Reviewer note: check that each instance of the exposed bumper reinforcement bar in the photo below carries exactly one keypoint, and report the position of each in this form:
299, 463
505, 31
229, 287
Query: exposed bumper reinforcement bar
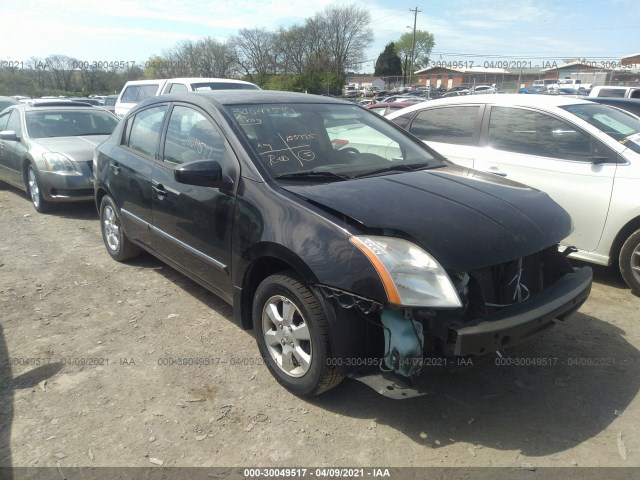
520, 322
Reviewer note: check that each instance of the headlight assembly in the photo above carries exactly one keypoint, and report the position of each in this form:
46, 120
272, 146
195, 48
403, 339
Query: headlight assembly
411, 277
58, 162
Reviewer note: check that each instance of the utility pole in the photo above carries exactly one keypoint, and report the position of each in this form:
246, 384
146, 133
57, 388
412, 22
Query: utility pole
413, 46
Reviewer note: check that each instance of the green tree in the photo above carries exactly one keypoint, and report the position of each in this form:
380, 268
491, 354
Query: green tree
424, 45
389, 63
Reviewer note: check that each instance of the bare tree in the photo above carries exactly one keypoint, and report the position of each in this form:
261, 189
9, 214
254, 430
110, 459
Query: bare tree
40, 71
255, 49
215, 59
206, 57
62, 68
346, 34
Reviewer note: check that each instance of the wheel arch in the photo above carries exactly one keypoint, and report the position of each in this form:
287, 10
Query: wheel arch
100, 192
346, 333
624, 233
24, 165
266, 259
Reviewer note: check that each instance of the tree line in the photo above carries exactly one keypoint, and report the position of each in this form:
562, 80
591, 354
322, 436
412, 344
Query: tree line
313, 56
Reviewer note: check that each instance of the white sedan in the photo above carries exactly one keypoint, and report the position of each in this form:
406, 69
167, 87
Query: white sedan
586, 156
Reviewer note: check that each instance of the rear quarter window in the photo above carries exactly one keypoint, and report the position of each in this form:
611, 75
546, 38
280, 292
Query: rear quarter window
611, 92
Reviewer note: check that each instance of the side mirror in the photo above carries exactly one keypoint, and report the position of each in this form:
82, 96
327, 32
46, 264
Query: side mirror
9, 135
202, 173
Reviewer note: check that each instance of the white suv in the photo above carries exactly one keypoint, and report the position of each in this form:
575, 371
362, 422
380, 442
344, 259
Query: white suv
137, 90
585, 155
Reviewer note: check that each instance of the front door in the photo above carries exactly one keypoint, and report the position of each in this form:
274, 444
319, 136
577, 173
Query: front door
193, 224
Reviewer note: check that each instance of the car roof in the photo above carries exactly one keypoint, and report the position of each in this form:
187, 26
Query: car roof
58, 106
511, 99
628, 104
223, 98
388, 104
205, 80
146, 82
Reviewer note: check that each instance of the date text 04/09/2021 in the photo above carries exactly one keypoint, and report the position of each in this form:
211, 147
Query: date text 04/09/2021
325, 472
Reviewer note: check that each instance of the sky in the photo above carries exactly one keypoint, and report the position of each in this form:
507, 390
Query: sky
479, 31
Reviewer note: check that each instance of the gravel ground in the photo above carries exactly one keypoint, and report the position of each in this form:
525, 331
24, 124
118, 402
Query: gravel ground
86, 346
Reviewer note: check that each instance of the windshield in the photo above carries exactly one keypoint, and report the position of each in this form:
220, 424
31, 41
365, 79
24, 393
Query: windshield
330, 141
69, 123
622, 126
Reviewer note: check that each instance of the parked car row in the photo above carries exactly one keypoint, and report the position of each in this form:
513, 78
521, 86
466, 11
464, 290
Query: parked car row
347, 243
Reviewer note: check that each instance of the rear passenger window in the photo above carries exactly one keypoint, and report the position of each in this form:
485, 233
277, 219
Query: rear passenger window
534, 133
177, 87
145, 130
137, 93
191, 136
447, 125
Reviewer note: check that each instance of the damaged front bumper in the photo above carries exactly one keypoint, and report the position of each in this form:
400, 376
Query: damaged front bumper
520, 322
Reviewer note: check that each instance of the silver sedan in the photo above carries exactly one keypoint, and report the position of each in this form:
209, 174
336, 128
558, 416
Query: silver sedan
47, 149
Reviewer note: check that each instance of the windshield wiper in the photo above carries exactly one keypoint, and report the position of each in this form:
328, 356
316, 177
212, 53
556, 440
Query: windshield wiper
403, 167
313, 174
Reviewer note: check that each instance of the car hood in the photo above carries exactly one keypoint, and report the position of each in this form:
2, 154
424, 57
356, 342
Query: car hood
77, 148
466, 219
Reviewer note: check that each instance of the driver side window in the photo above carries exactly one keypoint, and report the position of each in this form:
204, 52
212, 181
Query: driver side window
4, 119
191, 136
14, 123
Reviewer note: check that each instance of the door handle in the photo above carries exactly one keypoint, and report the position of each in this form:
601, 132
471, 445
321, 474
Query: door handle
160, 191
497, 171
116, 168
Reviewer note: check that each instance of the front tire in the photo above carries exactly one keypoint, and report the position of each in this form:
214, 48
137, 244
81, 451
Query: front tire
35, 192
292, 333
118, 245
629, 262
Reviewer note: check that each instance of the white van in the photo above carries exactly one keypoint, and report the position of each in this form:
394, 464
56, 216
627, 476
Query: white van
545, 82
571, 83
174, 85
137, 90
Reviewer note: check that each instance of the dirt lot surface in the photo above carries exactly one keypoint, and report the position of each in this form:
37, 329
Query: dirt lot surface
86, 346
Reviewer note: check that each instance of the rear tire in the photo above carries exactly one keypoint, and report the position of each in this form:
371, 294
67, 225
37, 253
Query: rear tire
292, 333
629, 262
118, 245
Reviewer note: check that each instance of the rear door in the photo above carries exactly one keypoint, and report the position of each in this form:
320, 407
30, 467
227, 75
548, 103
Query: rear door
129, 171
193, 224
555, 156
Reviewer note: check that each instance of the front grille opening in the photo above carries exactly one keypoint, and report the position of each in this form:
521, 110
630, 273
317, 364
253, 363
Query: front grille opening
494, 288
